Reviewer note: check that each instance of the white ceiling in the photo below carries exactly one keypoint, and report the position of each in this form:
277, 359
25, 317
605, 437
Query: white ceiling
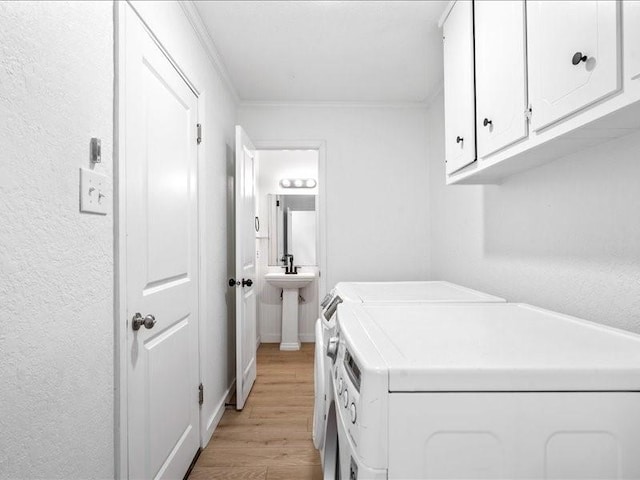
328, 51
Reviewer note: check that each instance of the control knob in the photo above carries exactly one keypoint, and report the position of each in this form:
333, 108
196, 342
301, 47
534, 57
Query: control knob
332, 348
340, 386
352, 411
345, 398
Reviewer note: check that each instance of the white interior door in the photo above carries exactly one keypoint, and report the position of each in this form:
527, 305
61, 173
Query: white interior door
160, 162
246, 329
459, 88
501, 85
573, 56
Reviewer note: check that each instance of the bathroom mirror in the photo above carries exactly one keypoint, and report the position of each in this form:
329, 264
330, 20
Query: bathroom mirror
292, 229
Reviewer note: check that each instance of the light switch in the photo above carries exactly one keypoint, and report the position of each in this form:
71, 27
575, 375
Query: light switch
93, 193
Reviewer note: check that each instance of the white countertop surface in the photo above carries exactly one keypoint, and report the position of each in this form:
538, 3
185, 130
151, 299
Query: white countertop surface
491, 347
418, 291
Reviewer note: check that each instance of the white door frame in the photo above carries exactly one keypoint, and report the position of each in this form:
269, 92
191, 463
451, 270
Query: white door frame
321, 147
121, 347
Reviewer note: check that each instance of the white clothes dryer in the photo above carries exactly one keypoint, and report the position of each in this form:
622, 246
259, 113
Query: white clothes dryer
372, 292
482, 391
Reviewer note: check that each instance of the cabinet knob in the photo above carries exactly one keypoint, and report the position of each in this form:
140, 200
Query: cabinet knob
578, 57
459, 139
487, 122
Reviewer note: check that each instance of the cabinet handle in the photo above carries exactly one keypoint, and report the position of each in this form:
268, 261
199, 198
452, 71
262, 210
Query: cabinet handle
578, 57
459, 139
487, 122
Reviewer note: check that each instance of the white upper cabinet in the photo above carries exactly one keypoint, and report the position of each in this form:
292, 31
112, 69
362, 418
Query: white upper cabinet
575, 63
459, 94
574, 56
501, 86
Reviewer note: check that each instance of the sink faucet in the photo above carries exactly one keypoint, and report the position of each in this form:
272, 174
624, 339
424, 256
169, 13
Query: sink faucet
289, 268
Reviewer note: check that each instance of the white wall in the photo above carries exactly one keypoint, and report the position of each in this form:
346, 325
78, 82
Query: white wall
56, 264
274, 165
216, 160
565, 236
376, 183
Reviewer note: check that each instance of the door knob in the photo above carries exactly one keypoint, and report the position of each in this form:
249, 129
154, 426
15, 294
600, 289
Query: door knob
459, 139
247, 283
578, 57
233, 283
487, 122
138, 321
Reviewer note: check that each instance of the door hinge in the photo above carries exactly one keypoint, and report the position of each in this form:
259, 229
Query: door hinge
200, 394
199, 132
528, 112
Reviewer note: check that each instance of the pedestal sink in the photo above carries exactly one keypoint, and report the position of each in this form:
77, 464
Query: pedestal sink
290, 285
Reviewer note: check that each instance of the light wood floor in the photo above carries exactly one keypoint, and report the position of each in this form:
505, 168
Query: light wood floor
271, 438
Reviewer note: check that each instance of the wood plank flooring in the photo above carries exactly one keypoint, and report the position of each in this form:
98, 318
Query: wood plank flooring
271, 438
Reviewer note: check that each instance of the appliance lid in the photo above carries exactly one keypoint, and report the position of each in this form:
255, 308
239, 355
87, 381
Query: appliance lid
391, 292
494, 347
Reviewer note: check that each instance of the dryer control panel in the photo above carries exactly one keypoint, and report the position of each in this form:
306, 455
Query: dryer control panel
361, 397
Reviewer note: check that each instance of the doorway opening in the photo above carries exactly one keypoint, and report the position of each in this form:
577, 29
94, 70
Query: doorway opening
289, 242
255, 281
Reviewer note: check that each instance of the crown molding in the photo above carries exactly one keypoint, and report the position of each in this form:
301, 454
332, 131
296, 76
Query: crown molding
445, 14
192, 14
332, 104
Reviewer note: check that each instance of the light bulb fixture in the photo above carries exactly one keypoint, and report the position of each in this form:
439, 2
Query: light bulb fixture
298, 183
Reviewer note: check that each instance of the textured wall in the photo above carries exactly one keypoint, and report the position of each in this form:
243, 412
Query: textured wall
376, 174
564, 236
56, 264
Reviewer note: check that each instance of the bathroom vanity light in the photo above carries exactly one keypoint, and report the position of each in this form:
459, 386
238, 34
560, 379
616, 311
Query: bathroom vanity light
298, 183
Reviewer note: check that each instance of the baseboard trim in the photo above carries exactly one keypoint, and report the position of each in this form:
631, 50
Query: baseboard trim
214, 420
289, 347
307, 338
275, 338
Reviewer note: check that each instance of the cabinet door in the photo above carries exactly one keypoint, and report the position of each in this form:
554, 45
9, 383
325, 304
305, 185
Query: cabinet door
574, 56
631, 15
459, 97
501, 86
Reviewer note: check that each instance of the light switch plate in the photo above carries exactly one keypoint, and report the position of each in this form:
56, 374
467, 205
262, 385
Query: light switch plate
93, 193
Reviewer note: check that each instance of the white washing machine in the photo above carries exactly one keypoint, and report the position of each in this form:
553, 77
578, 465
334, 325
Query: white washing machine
482, 391
371, 292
